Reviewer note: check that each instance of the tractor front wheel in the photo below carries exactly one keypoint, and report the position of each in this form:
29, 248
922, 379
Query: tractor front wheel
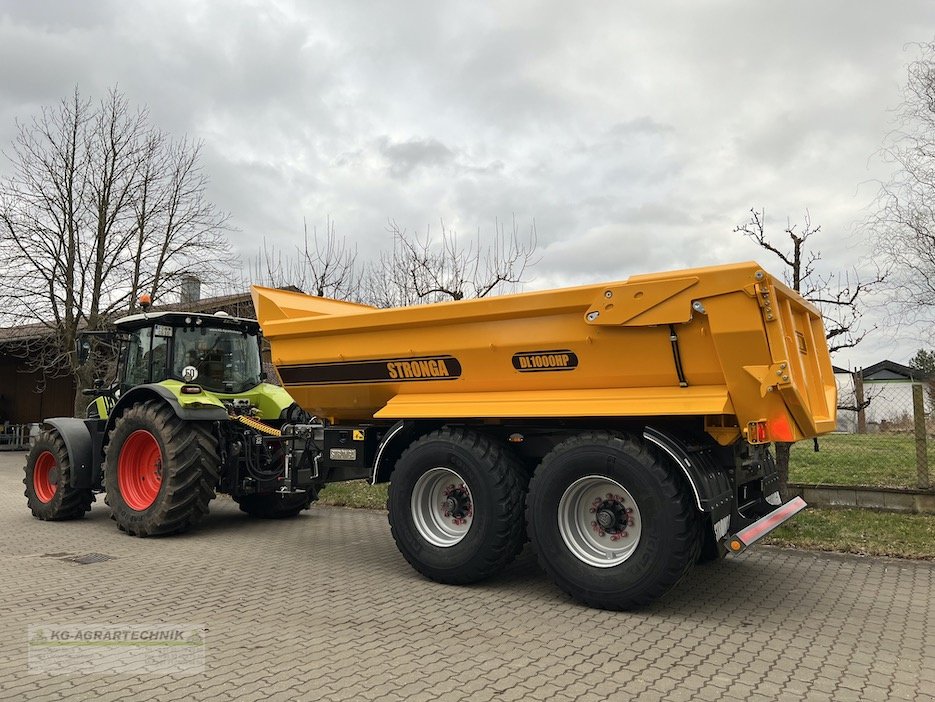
160, 472
48, 473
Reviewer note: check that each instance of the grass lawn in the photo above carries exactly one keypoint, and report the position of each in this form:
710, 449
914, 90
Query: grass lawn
355, 493
847, 530
883, 460
860, 531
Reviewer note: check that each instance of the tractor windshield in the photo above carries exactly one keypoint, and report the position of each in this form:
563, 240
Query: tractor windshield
223, 360
219, 360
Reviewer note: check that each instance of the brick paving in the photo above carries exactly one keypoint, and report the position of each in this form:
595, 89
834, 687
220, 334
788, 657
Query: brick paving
323, 607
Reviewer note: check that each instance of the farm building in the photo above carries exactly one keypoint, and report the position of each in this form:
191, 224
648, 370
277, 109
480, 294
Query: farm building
28, 395
887, 392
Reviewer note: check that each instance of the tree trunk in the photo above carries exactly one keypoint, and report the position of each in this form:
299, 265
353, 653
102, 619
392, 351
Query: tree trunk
84, 378
782, 467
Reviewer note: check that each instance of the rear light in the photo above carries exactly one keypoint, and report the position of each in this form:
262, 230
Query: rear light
781, 430
191, 389
758, 432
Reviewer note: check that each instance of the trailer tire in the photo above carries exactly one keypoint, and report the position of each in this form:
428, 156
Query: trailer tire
456, 506
160, 471
48, 473
611, 525
274, 505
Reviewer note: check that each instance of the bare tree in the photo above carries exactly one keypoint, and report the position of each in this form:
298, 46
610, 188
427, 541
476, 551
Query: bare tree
837, 295
902, 222
184, 234
100, 205
325, 265
423, 269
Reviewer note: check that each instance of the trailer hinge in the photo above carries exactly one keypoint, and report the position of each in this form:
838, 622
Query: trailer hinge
763, 297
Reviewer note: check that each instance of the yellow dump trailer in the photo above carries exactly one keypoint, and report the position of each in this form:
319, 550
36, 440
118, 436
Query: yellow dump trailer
625, 424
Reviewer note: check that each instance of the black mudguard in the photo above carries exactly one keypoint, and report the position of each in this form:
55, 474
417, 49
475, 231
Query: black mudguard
77, 437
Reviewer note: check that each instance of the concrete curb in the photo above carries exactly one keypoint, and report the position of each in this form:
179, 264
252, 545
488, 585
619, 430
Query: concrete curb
879, 498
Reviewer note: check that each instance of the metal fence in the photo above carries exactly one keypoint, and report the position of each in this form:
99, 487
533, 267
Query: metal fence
14, 437
883, 439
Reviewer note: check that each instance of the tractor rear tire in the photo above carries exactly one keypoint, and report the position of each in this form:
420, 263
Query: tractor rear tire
612, 526
274, 505
456, 506
161, 471
48, 472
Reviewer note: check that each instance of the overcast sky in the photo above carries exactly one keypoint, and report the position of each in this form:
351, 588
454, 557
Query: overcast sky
636, 135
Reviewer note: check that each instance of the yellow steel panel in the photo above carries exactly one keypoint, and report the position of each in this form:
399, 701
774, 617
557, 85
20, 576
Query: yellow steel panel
750, 347
622, 402
643, 303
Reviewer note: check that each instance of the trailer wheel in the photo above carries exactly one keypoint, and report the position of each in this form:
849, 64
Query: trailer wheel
456, 506
48, 472
612, 526
160, 472
274, 505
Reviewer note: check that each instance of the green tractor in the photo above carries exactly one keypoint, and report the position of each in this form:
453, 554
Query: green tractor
188, 415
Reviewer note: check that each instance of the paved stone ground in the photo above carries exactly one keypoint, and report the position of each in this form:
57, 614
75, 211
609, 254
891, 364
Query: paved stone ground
323, 608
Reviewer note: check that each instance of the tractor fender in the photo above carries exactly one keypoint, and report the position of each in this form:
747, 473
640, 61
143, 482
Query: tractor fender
154, 391
77, 438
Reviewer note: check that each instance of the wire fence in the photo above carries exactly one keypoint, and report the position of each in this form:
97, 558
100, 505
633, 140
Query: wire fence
883, 440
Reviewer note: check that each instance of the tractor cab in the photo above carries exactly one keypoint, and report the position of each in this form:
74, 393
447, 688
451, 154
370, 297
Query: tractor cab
219, 353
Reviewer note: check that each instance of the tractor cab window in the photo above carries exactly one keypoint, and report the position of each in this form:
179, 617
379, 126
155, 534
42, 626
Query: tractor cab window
224, 360
146, 357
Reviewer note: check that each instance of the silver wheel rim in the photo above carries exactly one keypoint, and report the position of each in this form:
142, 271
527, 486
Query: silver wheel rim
599, 521
442, 507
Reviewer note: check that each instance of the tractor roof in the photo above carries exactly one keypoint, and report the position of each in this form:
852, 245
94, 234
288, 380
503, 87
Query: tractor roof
186, 319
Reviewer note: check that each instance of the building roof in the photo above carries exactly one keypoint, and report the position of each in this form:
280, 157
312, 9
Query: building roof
883, 370
208, 305
890, 370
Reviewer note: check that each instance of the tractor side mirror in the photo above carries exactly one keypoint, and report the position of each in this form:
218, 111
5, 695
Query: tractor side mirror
96, 391
82, 349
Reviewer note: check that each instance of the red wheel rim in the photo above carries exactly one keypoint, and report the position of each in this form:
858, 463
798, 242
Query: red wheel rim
41, 477
139, 470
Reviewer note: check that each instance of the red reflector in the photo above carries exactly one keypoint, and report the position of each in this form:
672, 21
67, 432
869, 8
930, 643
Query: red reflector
191, 389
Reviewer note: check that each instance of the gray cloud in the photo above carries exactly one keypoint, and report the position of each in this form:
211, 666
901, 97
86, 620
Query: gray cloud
405, 156
635, 135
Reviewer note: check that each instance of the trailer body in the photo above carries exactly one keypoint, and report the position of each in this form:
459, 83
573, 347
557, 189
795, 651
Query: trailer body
729, 344
683, 378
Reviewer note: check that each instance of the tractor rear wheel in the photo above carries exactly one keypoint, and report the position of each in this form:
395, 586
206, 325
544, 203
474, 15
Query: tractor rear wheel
160, 472
48, 472
612, 526
274, 505
456, 506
